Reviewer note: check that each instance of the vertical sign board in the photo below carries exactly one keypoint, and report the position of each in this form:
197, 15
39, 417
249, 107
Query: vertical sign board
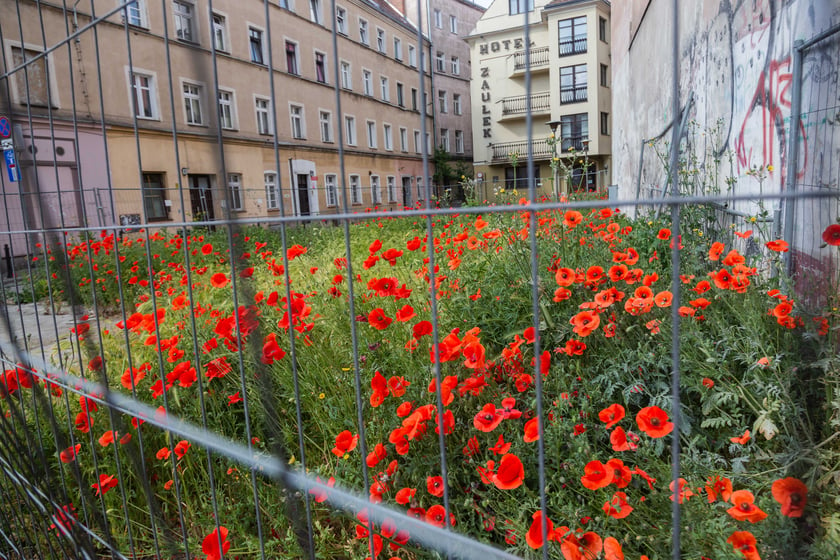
11, 165
8, 149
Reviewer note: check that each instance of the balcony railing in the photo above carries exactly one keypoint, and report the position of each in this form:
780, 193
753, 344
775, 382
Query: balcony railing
572, 46
539, 58
516, 105
573, 95
578, 143
504, 151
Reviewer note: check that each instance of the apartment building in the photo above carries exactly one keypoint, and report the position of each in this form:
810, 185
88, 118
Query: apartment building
446, 23
569, 59
171, 111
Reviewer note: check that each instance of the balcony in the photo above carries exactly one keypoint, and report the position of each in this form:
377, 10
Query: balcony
573, 94
502, 151
516, 106
539, 60
572, 46
576, 143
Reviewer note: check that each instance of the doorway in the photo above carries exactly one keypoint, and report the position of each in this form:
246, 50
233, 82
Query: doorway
303, 194
406, 189
201, 198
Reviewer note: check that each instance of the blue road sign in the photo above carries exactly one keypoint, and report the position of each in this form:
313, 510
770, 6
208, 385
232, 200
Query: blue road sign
11, 166
5, 127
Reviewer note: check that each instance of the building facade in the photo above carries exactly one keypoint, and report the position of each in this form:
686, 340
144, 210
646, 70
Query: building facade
569, 58
170, 112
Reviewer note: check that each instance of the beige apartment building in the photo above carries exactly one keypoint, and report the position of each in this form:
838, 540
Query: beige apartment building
168, 111
569, 56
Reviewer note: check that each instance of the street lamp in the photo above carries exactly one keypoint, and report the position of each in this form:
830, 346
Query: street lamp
554, 179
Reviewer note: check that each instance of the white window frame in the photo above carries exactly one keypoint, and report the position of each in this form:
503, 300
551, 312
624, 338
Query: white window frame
440, 62
188, 17
316, 14
400, 94
355, 190
421, 192
297, 121
234, 183
381, 40
263, 115
403, 139
141, 17
455, 65
456, 104
438, 19
262, 51
391, 182
231, 109
398, 54
272, 192
326, 67
325, 125
413, 99
331, 190
459, 141
195, 99
341, 20
453, 24
219, 33
412, 56
364, 32
286, 43
346, 74
384, 88
350, 130
443, 102
51, 84
370, 129
375, 190
444, 139
388, 136
154, 102
367, 82
417, 146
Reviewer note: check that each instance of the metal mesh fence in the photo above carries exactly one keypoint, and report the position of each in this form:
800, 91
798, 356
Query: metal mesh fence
171, 374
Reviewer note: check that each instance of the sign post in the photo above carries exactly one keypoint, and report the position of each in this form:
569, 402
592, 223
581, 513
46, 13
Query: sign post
8, 149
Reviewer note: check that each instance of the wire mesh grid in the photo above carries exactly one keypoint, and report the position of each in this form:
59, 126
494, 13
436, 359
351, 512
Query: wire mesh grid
100, 303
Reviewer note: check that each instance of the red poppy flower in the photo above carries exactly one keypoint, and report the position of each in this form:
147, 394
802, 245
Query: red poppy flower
210, 544
619, 442
663, 298
434, 484
406, 313
745, 234
510, 473
106, 482
744, 508
572, 218
181, 448
107, 438
733, 257
391, 255
207, 249
321, 495
378, 320
612, 415
744, 542
684, 492
345, 442
295, 251
534, 536
831, 235
413, 244
421, 329
585, 322
83, 422
436, 515
564, 276
618, 507
218, 367
716, 250
531, 430
741, 439
718, 486
69, 454
779, 245
219, 280
621, 474
488, 418
664, 234
653, 421
596, 475
612, 549
792, 494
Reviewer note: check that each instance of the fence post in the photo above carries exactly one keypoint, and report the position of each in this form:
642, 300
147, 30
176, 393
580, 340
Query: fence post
793, 151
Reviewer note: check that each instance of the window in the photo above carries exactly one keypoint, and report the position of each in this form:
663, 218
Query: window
392, 188
192, 104
389, 136
355, 189
135, 14
442, 101
183, 13
428, 142
143, 90
605, 121
604, 75
413, 99
400, 95
573, 83
456, 104
574, 131
364, 38
154, 197
296, 117
440, 62
33, 87
350, 130
412, 56
403, 139
380, 39
325, 124
398, 49
518, 178
572, 33
263, 107
331, 190
220, 33
291, 58
284, 4
438, 19
444, 139
235, 190
456, 65
453, 24
346, 76
272, 195
417, 141
371, 134
321, 67
602, 29
384, 90
459, 141
421, 192
255, 40
227, 110
367, 82
375, 190
340, 25
520, 6
315, 11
